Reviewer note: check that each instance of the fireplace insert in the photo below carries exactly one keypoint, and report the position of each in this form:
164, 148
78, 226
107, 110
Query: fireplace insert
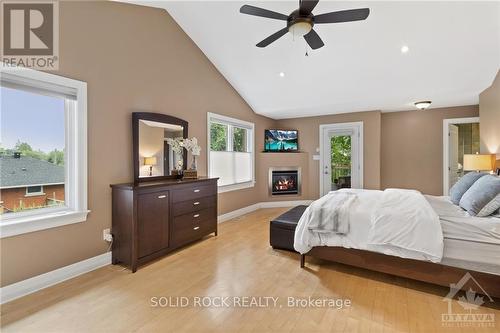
284, 181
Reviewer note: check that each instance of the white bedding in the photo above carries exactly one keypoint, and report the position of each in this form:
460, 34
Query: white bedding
469, 242
458, 224
360, 214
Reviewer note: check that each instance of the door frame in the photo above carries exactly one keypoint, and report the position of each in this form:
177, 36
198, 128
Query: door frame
323, 130
446, 145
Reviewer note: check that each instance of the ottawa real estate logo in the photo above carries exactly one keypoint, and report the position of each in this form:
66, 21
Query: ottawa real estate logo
30, 34
466, 311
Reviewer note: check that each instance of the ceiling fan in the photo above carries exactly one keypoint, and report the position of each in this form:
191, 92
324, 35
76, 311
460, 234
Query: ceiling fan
302, 20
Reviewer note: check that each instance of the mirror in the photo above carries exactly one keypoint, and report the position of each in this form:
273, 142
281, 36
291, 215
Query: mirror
154, 158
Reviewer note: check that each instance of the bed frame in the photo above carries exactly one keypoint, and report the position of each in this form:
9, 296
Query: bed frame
409, 268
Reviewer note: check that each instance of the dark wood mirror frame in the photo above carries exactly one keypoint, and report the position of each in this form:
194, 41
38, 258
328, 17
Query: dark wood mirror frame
160, 118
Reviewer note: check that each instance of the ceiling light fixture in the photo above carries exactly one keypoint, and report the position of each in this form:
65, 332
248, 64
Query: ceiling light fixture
300, 28
282, 74
422, 105
405, 49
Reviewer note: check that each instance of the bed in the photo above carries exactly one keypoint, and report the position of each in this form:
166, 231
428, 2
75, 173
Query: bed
459, 243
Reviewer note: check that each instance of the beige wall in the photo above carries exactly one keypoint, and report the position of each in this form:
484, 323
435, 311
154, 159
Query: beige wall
489, 114
140, 60
309, 140
412, 147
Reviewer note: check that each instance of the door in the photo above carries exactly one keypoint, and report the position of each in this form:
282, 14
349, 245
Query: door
152, 219
341, 157
453, 171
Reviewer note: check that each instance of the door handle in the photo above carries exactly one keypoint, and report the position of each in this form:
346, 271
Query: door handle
196, 215
196, 203
196, 191
196, 228
162, 196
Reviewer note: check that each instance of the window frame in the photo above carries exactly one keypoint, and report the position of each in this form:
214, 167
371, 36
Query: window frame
75, 208
232, 122
34, 194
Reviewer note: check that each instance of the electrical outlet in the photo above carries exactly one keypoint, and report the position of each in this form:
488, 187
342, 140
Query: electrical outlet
107, 236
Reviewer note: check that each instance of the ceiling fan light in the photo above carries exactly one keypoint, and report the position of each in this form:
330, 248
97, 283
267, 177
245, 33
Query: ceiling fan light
300, 28
422, 105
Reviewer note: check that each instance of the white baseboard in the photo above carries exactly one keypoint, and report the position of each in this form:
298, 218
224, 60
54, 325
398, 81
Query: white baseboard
39, 282
28, 286
259, 205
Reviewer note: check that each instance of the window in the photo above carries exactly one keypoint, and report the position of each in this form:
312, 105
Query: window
34, 190
231, 152
43, 151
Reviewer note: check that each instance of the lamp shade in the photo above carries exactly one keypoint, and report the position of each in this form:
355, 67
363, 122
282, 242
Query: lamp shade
150, 160
479, 162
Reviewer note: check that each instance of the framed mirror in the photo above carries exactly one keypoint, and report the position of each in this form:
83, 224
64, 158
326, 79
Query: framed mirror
154, 158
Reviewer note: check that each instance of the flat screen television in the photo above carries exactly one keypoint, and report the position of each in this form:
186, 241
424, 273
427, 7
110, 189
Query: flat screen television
281, 140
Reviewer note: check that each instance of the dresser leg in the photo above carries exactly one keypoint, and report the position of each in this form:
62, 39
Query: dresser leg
215, 233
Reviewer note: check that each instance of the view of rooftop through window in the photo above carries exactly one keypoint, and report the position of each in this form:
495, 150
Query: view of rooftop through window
32, 143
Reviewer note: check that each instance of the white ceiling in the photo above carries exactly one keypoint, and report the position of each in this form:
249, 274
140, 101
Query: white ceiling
454, 55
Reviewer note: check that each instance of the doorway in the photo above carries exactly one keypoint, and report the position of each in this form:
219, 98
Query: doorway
341, 156
460, 136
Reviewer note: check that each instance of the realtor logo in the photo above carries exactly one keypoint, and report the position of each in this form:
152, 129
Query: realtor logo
469, 303
30, 34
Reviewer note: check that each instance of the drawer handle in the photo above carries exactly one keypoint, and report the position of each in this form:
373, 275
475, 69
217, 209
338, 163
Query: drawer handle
196, 191
196, 203
196, 215
196, 228
162, 196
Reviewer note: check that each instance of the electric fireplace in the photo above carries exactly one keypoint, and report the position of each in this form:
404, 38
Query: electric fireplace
284, 180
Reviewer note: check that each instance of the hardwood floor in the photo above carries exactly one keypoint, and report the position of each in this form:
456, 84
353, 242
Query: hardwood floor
239, 262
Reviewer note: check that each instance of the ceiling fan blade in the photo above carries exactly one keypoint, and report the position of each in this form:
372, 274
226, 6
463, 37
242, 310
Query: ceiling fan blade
307, 6
272, 38
256, 11
313, 39
343, 16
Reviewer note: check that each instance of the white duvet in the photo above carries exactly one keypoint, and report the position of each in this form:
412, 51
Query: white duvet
394, 222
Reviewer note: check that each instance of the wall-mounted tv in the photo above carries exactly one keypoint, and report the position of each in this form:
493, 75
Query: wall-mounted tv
281, 140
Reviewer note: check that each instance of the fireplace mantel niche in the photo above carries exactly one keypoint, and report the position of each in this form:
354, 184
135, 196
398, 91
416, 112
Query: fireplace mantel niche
284, 181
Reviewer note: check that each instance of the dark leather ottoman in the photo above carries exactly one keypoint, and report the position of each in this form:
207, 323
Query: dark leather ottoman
282, 228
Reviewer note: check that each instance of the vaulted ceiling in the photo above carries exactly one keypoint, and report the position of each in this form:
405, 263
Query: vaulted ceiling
454, 54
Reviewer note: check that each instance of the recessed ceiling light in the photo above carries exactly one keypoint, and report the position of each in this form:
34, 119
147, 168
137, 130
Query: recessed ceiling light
422, 105
405, 49
282, 74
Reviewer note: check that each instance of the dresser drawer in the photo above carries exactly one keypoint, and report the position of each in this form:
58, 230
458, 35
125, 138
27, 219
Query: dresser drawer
194, 205
194, 192
191, 226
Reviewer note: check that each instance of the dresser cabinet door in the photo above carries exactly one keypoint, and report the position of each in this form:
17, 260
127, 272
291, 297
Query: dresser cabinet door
152, 219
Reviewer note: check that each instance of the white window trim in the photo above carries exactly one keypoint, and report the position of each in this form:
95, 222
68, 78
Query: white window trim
446, 146
34, 194
250, 144
75, 158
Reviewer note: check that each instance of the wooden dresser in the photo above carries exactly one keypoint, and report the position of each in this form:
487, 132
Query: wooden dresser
150, 219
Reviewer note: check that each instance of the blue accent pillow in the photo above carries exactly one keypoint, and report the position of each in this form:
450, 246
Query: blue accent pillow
483, 197
463, 184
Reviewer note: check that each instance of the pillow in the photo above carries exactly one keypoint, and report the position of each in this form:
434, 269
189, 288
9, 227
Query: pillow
483, 197
463, 184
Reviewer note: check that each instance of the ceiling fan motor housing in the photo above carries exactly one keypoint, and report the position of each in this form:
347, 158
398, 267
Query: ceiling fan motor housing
299, 24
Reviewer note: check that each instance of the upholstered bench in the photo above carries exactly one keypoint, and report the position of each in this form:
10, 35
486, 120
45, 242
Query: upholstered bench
282, 228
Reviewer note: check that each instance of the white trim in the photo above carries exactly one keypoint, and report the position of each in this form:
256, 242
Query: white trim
267, 204
37, 222
235, 187
39, 282
31, 194
446, 145
225, 120
19, 186
75, 157
323, 128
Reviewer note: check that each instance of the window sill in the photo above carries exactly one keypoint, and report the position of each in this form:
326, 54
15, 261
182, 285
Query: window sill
34, 194
235, 187
26, 224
